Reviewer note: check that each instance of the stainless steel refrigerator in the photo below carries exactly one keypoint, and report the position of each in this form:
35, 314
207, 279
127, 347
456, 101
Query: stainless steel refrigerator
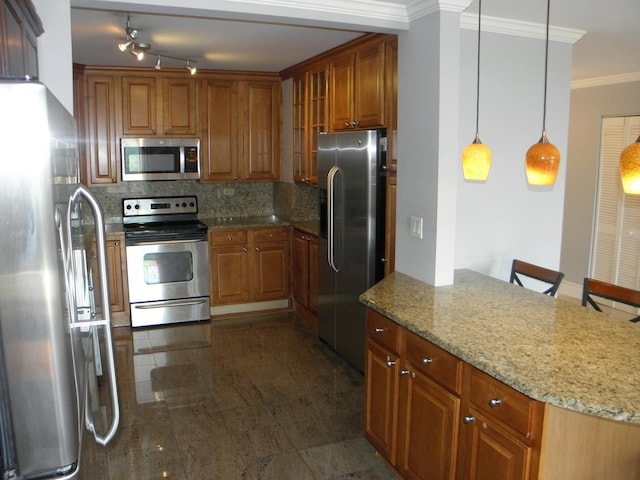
56, 349
351, 181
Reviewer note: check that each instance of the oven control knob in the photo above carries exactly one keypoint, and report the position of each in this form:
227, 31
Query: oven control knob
184, 204
128, 207
137, 207
192, 205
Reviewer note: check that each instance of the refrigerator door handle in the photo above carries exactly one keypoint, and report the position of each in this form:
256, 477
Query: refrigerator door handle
331, 191
105, 323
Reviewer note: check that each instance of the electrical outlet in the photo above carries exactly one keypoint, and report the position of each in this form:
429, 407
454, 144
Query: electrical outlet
228, 192
416, 227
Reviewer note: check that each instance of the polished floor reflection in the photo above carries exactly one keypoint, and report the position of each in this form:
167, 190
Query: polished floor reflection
249, 398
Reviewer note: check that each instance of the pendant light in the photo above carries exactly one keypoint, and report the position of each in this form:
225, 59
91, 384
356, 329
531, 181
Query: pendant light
543, 158
476, 157
630, 168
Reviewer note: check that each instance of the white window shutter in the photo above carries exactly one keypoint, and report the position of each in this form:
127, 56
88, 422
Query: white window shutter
616, 252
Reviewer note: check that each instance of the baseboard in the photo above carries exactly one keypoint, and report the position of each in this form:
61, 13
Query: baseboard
570, 289
249, 307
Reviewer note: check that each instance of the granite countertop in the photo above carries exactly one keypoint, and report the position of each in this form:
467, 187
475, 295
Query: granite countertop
550, 349
225, 223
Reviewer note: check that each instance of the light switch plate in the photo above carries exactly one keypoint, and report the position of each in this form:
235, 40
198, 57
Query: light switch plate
416, 227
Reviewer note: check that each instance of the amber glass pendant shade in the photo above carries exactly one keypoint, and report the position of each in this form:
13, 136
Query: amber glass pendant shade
630, 168
476, 161
543, 161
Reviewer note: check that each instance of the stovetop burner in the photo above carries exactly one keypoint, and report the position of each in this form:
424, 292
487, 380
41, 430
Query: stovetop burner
162, 219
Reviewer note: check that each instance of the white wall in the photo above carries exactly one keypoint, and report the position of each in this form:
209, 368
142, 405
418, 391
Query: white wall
427, 136
505, 218
55, 64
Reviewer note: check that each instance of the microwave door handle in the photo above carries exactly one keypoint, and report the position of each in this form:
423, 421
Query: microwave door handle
106, 313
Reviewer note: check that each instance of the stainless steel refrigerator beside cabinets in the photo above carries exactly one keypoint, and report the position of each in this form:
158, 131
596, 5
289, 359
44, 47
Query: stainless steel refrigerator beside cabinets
56, 348
351, 181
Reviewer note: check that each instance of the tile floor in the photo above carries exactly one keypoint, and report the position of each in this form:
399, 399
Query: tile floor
255, 398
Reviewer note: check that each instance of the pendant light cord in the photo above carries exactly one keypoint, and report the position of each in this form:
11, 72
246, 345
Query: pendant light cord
546, 61
478, 72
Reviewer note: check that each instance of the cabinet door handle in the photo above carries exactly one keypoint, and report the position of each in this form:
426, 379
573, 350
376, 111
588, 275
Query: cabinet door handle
390, 362
404, 373
427, 361
153, 131
379, 330
495, 402
229, 238
245, 250
347, 124
468, 419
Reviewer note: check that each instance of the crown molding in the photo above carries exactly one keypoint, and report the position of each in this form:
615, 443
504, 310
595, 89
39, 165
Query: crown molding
421, 8
505, 26
607, 80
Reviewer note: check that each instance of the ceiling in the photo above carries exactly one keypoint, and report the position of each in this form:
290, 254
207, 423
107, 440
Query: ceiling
272, 35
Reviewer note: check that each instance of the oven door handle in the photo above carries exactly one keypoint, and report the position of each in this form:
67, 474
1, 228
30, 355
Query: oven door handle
164, 242
170, 303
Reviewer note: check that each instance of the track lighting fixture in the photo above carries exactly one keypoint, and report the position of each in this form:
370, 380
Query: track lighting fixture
141, 49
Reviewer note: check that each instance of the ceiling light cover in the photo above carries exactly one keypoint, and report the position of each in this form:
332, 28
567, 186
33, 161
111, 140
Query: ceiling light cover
542, 161
476, 157
543, 158
476, 161
630, 168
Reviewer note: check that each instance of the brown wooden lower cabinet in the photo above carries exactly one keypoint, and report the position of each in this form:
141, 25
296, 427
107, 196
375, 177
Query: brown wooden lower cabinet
249, 265
117, 278
304, 256
432, 416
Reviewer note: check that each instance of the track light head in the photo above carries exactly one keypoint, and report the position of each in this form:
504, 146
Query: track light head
157, 65
192, 69
123, 47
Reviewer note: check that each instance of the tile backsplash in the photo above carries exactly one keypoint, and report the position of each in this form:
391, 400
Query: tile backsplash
292, 201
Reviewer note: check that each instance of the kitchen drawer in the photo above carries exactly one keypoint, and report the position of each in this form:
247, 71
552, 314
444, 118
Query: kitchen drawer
504, 403
227, 237
434, 362
383, 331
271, 235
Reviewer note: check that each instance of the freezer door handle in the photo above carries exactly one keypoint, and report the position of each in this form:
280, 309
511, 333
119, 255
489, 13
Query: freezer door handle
106, 321
331, 214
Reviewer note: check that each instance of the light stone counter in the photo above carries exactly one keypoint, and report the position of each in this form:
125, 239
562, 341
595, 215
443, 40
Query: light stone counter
227, 223
549, 349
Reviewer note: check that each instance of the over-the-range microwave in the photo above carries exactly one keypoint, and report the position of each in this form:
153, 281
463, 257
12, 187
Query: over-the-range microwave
160, 158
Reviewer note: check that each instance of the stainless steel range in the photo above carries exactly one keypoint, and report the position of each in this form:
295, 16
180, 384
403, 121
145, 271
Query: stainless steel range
167, 260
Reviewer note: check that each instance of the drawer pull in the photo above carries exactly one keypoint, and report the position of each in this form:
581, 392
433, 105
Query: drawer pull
495, 402
427, 361
390, 363
379, 330
404, 373
468, 419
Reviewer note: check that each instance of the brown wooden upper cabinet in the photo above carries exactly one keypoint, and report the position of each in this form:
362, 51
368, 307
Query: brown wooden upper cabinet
159, 106
356, 88
19, 28
240, 129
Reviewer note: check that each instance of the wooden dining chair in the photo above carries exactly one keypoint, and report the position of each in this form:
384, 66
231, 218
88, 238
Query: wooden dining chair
546, 275
598, 288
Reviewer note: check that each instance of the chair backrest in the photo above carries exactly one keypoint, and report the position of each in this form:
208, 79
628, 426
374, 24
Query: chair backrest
598, 288
552, 277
